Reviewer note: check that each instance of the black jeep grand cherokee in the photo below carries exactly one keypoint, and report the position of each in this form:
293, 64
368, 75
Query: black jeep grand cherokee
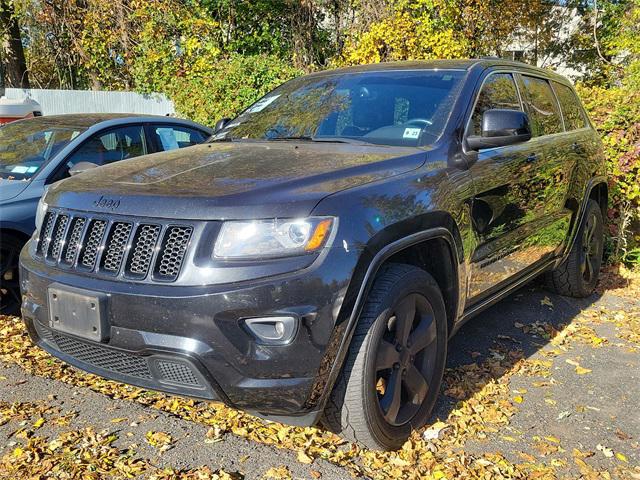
310, 262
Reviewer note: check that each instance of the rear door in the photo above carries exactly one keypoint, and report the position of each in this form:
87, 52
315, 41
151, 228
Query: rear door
506, 196
554, 167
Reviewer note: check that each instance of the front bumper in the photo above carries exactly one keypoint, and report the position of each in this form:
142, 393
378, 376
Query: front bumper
189, 340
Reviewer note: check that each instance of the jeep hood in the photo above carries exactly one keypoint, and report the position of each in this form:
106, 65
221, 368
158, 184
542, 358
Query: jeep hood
232, 179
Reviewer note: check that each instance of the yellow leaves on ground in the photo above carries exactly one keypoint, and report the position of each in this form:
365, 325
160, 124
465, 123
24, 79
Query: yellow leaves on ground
482, 404
304, 458
160, 440
277, 473
579, 369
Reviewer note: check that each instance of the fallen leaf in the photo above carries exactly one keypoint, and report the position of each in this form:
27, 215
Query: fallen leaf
607, 452
304, 458
546, 301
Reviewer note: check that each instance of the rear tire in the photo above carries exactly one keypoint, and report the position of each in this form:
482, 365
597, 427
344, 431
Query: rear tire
10, 298
577, 276
391, 377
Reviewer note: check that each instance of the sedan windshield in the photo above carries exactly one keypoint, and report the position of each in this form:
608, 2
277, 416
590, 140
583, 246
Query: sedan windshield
27, 145
400, 108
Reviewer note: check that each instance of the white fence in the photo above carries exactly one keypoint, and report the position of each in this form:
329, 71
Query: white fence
55, 102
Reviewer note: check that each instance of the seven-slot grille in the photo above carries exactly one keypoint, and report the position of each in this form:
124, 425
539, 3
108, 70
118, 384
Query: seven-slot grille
116, 247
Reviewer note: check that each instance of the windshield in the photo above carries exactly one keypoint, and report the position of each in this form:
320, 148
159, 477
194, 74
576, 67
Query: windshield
400, 108
26, 146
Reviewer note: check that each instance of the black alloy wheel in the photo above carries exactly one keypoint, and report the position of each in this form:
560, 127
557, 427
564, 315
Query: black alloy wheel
406, 359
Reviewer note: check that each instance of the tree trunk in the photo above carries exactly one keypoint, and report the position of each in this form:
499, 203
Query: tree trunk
15, 66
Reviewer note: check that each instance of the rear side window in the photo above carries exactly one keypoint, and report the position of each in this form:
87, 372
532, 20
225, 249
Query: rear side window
499, 91
541, 106
574, 116
169, 137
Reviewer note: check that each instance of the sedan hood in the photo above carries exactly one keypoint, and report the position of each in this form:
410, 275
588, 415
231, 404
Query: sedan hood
11, 188
232, 180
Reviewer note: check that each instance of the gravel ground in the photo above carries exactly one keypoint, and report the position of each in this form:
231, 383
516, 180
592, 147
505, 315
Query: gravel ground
594, 411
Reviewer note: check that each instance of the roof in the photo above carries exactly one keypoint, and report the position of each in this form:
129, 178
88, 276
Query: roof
86, 120
460, 64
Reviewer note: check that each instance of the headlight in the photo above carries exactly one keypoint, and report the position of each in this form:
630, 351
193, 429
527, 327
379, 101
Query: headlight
272, 238
40, 212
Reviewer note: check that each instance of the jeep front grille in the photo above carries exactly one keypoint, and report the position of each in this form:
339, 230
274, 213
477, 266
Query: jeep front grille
173, 250
93, 241
73, 245
113, 247
144, 245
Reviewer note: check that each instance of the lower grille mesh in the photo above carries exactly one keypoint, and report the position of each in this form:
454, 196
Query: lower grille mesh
177, 373
105, 358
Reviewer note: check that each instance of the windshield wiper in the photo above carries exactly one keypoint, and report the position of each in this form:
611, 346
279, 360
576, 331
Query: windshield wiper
308, 138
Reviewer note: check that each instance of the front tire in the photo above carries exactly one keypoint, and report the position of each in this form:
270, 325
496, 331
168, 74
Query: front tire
391, 377
577, 276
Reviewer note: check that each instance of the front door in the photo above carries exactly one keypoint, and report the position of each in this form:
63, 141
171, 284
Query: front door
507, 199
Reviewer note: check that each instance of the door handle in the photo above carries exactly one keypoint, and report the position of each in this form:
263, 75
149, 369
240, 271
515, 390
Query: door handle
532, 158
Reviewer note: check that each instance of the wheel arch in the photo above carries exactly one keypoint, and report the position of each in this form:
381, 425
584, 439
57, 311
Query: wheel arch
13, 232
600, 193
444, 235
597, 189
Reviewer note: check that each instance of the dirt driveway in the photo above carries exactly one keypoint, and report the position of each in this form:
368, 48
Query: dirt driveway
538, 386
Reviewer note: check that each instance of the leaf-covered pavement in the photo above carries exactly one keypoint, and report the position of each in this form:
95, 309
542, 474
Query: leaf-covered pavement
539, 386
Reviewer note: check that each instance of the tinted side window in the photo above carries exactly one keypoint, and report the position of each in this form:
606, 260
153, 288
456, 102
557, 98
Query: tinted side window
541, 106
574, 117
112, 146
498, 91
107, 147
171, 137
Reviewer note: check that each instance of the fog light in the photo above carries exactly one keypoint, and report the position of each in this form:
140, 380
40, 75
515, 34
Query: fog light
272, 330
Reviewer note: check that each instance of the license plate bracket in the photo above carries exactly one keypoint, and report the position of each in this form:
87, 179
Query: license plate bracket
78, 312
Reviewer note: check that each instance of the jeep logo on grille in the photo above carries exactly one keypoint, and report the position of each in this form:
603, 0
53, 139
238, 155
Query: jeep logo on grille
108, 203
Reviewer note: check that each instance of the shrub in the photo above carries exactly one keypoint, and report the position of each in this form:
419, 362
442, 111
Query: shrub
616, 113
229, 86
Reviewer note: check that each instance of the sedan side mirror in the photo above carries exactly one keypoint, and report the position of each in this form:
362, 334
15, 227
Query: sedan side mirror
501, 128
81, 167
220, 124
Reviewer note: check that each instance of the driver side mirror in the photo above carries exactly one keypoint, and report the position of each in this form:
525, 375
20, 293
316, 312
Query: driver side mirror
220, 124
501, 128
81, 167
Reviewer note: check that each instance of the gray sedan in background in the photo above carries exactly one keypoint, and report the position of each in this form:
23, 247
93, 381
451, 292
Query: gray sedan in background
39, 151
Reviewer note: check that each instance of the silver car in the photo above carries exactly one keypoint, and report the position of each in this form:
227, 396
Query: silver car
39, 151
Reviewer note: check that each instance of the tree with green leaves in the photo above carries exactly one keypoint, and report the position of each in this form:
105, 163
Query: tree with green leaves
11, 49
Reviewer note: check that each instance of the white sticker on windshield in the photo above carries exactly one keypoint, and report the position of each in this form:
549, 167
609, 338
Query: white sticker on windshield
411, 133
19, 169
32, 169
261, 104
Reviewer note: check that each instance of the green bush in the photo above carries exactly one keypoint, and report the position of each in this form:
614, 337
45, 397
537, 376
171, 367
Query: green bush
230, 85
616, 113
